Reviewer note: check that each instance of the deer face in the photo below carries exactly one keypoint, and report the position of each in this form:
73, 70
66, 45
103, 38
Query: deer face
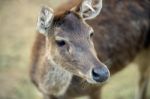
70, 45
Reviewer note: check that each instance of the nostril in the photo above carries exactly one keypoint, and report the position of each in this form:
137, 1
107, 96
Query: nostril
95, 73
100, 74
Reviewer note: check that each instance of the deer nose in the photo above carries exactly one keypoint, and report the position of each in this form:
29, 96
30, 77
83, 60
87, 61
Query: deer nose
100, 74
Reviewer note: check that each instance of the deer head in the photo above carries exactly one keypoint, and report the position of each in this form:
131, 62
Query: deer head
69, 40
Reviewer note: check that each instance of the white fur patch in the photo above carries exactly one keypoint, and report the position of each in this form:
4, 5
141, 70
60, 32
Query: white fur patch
90, 10
56, 81
45, 20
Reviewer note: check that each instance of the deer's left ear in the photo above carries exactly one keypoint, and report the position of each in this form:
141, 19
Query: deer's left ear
89, 9
45, 20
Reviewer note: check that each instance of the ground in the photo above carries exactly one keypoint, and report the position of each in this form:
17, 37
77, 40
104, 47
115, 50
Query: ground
17, 32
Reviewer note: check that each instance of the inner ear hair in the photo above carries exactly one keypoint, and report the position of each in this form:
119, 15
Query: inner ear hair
89, 9
45, 20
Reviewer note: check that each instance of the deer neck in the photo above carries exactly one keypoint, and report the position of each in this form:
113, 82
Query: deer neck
55, 79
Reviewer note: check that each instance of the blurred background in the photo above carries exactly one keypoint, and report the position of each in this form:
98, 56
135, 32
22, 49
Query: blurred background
17, 33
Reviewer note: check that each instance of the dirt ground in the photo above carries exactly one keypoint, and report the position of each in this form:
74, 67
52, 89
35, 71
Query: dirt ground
17, 32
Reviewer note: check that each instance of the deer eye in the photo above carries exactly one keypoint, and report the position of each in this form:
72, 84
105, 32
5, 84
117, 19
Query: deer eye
91, 35
60, 43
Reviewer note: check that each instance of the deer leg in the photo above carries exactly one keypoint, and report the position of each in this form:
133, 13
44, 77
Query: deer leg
144, 69
143, 83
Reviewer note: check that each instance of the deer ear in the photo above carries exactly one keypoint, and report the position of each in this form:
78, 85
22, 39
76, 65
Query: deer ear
45, 20
89, 9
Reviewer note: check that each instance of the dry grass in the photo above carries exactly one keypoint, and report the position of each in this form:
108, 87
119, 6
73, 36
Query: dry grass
17, 31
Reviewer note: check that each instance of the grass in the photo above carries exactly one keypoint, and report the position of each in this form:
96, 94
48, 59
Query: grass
17, 31
122, 85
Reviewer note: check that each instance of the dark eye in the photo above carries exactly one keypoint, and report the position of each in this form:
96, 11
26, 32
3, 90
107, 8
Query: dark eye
60, 43
91, 35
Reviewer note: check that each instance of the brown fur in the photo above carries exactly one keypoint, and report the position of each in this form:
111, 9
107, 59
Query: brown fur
121, 34
66, 6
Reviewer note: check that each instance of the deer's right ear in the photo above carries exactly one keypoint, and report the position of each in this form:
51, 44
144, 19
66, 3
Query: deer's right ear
89, 9
45, 20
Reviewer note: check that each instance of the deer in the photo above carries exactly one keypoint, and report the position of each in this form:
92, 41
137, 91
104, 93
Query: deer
77, 49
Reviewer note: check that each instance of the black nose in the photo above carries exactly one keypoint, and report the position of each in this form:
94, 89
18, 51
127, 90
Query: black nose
100, 74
